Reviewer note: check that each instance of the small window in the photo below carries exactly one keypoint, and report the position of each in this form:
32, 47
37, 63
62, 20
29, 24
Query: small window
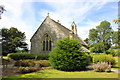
72, 27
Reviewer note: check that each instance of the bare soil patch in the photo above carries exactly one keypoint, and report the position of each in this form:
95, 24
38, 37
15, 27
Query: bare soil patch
9, 71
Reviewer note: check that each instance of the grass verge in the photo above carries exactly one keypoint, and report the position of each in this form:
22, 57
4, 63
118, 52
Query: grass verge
52, 73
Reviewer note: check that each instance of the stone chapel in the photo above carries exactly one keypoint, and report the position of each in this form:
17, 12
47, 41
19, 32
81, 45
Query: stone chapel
48, 32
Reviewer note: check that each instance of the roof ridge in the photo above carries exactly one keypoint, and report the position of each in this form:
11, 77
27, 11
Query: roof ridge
39, 26
60, 24
82, 40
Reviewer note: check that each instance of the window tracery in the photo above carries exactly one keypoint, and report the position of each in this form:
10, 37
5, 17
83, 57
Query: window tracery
47, 43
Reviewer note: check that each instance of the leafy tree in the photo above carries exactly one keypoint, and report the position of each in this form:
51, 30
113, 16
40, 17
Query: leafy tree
93, 38
2, 9
101, 37
87, 41
116, 38
68, 55
98, 47
116, 21
116, 35
13, 40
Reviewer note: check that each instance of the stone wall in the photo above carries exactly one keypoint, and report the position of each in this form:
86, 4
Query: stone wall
56, 31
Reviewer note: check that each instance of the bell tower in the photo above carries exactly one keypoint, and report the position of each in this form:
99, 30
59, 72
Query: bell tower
74, 28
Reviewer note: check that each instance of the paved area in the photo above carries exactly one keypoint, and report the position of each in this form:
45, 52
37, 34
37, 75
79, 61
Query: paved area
116, 71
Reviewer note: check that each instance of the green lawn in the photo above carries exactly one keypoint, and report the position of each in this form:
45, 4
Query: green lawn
5, 57
52, 73
117, 65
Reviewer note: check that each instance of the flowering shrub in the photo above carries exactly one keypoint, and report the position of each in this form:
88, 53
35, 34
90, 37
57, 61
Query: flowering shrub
24, 63
32, 63
42, 63
102, 67
27, 69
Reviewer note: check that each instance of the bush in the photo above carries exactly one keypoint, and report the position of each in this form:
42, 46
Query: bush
44, 63
42, 56
68, 56
104, 58
27, 69
114, 52
32, 63
92, 54
25, 63
102, 67
21, 56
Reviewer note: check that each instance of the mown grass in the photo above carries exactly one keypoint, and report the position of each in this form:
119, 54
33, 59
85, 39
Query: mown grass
117, 65
53, 73
5, 57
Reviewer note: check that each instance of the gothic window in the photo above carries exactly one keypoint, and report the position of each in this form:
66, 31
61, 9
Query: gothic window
43, 45
50, 45
46, 43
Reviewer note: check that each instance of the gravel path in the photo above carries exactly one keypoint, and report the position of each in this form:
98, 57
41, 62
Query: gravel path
116, 71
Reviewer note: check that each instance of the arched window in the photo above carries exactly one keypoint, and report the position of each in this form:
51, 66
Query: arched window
46, 43
72, 27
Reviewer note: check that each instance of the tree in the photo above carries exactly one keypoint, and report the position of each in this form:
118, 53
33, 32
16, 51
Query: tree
13, 40
87, 41
101, 36
68, 55
93, 38
116, 38
116, 35
2, 9
116, 21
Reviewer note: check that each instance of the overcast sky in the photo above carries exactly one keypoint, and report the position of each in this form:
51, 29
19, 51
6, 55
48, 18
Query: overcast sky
27, 15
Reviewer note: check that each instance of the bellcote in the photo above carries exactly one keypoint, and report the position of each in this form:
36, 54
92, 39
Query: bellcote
74, 28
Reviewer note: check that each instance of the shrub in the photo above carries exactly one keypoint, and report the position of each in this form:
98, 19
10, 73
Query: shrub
41, 56
92, 54
21, 56
32, 63
43, 63
104, 58
24, 63
102, 67
27, 69
68, 56
114, 52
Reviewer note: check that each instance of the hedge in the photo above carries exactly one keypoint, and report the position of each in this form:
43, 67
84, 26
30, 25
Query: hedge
103, 58
22, 56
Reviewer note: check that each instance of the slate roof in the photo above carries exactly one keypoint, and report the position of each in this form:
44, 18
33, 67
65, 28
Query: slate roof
70, 30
